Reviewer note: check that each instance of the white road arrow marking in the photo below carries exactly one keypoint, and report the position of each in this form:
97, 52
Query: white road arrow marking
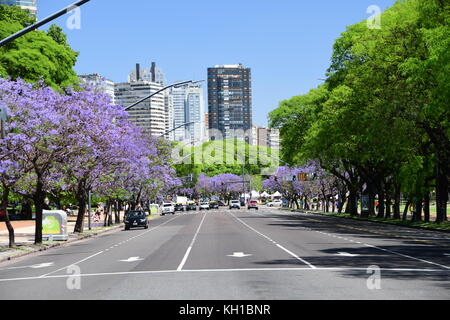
346, 254
239, 255
132, 259
35, 266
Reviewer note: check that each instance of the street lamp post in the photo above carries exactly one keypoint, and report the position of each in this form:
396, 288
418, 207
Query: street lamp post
41, 23
180, 126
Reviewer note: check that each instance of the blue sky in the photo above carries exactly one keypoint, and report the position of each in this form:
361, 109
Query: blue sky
286, 43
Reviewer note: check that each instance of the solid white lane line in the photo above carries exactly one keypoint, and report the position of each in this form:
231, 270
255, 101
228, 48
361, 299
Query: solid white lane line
274, 242
94, 255
186, 255
337, 269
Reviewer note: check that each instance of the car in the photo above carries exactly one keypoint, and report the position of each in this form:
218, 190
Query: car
275, 203
167, 208
135, 219
235, 204
204, 206
191, 206
221, 203
252, 204
179, 207
213, 205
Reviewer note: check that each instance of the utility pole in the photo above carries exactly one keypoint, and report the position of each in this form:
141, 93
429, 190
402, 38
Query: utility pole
43, 22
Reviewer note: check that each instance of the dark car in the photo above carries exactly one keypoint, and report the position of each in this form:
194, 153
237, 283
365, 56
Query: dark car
136, 219
213, 205
179, 207
252, 204
221, 203
191, 206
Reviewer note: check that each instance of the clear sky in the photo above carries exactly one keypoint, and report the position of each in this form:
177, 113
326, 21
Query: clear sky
286, 43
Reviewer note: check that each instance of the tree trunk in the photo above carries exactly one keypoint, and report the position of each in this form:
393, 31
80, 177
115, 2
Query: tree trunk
405, 211
417, 214
352, 205
426, 207
39, 202
81, 199
397, 199
9, 226
442, 186
388, 206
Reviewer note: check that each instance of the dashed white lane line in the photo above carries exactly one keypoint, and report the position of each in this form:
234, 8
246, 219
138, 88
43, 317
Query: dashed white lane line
274, 242
386, 250
110, 248
186, 255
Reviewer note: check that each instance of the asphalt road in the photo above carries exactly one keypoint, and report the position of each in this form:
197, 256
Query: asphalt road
240, 255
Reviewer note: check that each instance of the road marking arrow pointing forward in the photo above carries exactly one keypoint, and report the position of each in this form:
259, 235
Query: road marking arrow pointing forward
239, 255
346, 254
132, 259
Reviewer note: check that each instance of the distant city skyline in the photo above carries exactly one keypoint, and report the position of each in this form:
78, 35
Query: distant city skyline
288, 46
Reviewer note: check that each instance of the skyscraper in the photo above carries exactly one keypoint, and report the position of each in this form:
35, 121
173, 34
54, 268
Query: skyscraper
149, 115
152, 74
194, 112
188, 106
229, 100
30, 5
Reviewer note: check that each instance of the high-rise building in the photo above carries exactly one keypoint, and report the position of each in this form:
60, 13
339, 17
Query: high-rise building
30, 5
149, 115
99, 83
188, 106
178, 111
266, 137
152, 74
229, 100
194, 112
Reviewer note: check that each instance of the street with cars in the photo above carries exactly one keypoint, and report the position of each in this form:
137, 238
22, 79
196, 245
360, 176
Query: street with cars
243, 254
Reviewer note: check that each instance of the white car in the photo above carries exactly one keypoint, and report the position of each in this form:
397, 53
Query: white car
235, 204
204, 205
167, 208
275, 203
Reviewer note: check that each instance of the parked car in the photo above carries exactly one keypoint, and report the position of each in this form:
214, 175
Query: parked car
191, 206
167, 208
275, 203
135, 219
235, 204
179, 207
204, 206
213, 205
252, 204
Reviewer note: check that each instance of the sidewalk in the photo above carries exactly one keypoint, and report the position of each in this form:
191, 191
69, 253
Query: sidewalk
24, 236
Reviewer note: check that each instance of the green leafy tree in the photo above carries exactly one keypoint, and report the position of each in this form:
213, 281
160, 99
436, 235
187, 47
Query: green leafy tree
37, 55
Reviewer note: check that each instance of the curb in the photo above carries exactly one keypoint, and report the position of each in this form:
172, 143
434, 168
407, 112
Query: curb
374, 221
60, 244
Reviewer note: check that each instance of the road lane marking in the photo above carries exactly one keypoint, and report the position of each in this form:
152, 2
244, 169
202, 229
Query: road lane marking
274, 242
337, 269
186, 255
407, 256
96, 254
